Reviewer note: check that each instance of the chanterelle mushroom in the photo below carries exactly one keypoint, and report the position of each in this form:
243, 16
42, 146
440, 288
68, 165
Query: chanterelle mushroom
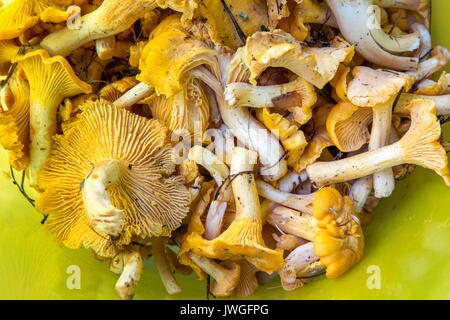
14, 121
8, 51
340, 242
104, 180
19, 15
111, 18
419, 146
51, 80
378, 89
359, 25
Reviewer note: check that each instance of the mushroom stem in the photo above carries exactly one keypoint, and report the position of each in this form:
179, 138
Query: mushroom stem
293, 222
350, 13
302, 203
111, 18
163, 266
105, 47
360, 192
249, 131
103, 215
442, 103
133, 265
418, 146
214, 219
134, 95
43, 123
297, 260
224, 278
216, 167
426, 68
383, 181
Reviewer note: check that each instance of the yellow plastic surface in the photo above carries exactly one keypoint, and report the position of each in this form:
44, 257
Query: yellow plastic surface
407, 245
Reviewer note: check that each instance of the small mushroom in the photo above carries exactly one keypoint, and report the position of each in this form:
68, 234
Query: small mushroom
347, 126
279, 49
51, 80
293, 222
131, 267
419, 146
163, 266
14, 121
340, 242
97, 24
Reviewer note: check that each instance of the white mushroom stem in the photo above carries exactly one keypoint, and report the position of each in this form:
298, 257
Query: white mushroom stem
296, 261
134, 95
216, 167
302, 203
425, 37
241, 94
248, 130
103, 215
211, 268
418, 146
442, 103
293, 222
105, 47
290, 181
440, 58
358, 25
214, 219
133, 265
383, 181
360, 192
164, 267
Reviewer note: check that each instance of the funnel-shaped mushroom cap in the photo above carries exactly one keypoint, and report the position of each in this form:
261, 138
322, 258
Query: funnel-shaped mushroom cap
14, 122
8, 51
340, 242
141, 187
169, 56
20, 15
420, 145
319, 142
347, 126
279, 49
371, 87
51, 80
230, 21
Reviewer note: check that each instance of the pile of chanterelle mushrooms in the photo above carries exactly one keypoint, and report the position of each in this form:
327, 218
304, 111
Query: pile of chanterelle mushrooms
240, 140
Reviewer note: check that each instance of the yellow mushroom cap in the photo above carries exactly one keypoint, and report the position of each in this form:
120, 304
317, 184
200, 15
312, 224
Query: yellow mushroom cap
279, 49
371, 87
340, 242
347, 126
169, 55
51, 78
20, 15
14, 122
154, 201
8, 51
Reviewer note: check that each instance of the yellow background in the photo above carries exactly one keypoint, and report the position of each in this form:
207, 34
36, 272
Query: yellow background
409, 241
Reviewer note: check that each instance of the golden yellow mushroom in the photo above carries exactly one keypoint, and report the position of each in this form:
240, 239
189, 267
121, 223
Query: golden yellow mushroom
108, 182
340, 242
51, 80
20, 15
14, 121
279, 49
347, 126
289, 134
